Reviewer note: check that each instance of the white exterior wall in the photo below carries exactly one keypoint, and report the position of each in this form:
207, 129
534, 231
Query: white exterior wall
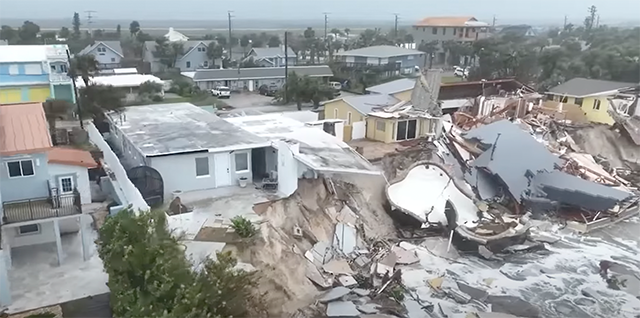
179, 171
287, 168
81, 179
46, 235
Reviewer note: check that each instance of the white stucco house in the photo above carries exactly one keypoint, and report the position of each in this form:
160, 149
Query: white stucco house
43, 192
193, 149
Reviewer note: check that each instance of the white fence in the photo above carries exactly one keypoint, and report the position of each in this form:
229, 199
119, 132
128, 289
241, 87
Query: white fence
123, 187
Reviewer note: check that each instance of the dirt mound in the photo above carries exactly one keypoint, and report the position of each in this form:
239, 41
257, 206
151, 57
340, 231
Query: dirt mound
279, 255
602, 140
396, 162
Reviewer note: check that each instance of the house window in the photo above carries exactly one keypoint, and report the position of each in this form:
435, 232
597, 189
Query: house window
349, 118
22, 168
455, 31
564, 99
242, 161
188, 64
205, 64
66, 185
53, 68
335, 113
579, 101
113, 59
444, 31
410, 57
406, 129
434, 31
13, 69
380, 125
29, 229
102, 50
596, 104
201, 49
202, 167
466, 32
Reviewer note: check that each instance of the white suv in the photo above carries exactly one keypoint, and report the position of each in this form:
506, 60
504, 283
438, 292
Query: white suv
221, 92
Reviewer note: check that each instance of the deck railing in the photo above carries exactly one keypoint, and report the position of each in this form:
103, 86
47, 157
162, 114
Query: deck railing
42, 208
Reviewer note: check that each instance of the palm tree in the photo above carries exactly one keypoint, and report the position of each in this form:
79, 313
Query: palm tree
83, 66
430, 48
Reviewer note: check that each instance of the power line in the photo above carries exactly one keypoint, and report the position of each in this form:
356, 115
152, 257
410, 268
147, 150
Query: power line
90, 17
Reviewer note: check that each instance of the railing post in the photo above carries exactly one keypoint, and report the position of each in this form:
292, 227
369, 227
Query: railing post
31, 209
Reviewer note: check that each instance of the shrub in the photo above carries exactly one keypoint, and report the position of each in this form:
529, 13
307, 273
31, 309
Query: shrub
150, 276
44, 314
243, 227
157, 98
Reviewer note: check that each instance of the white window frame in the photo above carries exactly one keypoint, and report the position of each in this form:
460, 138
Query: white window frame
349, 118
205, 63
33, 69
38, 231
102, 49
235, 162
596, 104
19, 161
62, 188
384, 125
406, 132
188, 64
14, 69
335, 113
206, 159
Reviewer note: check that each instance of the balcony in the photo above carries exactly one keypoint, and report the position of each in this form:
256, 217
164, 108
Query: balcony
59, 78
42, 208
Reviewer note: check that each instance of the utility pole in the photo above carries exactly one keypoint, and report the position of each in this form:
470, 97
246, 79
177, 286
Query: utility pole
326, 23
90, 17
229, 40
395, 28
494, 22
286, 65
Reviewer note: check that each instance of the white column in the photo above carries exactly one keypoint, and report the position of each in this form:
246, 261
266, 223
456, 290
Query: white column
56, 231
5, 289
84, 236
5, 246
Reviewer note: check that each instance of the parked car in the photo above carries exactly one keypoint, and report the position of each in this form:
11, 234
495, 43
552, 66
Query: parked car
461, 72
221, 92
335, 85
268, 90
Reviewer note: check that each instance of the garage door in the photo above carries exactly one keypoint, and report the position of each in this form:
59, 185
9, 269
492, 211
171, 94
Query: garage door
10, 95
39, 94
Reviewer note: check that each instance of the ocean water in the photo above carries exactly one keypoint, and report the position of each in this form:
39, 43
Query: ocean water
562, 281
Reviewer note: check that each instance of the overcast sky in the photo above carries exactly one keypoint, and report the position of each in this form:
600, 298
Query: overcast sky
507, 11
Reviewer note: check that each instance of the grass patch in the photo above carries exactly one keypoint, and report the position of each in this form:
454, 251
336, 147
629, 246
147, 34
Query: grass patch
196, 100
451, 79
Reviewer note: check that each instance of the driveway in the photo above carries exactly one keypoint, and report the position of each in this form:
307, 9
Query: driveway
247, 100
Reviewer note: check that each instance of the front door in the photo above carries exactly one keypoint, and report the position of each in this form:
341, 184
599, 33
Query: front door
222, 169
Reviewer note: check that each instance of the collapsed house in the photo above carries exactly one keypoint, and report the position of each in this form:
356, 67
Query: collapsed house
518, 171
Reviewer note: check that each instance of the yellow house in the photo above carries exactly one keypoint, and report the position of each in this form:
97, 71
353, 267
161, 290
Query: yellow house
400, 88
354, 110
591, 95
380, 117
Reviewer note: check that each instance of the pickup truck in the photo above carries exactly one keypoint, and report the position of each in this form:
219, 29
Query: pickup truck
221, 92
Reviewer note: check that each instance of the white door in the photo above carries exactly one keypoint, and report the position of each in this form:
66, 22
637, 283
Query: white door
222, 168
66, 185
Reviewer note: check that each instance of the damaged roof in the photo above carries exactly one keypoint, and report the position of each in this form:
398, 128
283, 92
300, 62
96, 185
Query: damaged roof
530, 172
568, 189
512, 155
580, 87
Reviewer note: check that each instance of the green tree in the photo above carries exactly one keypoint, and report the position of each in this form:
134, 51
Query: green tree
28, 33
149, 89
168, 52
430, 49
215, 51
134, 28
98, 99
336, 31
118, 30
150, 276
83, 66
347, 31
221, 39
274, 41
590, 20
76, 25
304, 90
9, 34
244, 43
64, 33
